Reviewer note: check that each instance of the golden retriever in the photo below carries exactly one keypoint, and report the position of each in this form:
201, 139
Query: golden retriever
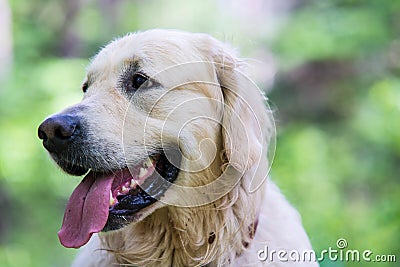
173, 138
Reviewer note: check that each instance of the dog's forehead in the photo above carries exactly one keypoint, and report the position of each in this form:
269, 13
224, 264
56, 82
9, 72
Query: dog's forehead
153, 50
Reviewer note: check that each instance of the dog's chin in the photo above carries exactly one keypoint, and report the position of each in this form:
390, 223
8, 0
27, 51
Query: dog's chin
134, 189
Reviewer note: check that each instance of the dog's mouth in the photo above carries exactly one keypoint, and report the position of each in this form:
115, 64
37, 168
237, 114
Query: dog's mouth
106, 201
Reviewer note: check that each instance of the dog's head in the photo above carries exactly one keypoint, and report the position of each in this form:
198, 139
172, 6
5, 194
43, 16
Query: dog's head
164, 115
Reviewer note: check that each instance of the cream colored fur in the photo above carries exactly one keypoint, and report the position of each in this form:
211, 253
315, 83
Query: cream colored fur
229, 137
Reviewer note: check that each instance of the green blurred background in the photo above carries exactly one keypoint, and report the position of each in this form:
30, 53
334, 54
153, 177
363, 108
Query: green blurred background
336, 96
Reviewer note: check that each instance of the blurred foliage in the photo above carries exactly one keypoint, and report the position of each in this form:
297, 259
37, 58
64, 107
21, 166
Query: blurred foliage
338, 99
337, 94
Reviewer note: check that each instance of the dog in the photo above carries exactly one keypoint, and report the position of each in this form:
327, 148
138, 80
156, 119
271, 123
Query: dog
174, 140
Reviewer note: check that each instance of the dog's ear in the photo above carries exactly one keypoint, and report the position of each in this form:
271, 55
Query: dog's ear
244, 114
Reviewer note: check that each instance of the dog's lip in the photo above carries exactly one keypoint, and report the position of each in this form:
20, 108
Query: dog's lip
69, 167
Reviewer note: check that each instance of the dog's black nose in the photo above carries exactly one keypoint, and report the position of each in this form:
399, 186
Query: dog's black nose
58, 131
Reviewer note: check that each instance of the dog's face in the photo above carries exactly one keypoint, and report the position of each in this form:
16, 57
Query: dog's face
157, 112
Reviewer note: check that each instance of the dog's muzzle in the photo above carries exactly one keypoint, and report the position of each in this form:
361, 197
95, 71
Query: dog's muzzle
106, 199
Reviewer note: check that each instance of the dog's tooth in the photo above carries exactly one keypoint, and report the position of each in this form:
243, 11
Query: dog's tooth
112, 200
142, 172
124, 190
147, 163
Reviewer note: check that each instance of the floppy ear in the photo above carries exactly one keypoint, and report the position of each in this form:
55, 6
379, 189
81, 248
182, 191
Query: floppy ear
244, 113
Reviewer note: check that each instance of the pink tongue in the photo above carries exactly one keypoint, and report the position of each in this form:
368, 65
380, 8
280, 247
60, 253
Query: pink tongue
87, 210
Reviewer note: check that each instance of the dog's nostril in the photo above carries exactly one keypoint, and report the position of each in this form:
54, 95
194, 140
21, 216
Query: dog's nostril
42, 135
65, 131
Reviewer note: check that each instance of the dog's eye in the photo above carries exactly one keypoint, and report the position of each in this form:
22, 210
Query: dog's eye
85, 86
138, 80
